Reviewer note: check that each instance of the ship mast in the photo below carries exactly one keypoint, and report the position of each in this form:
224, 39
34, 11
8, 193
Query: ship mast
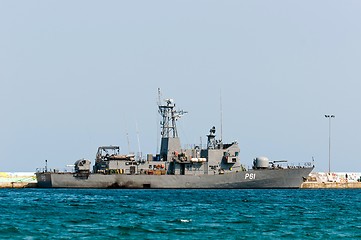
169, 135
169, 119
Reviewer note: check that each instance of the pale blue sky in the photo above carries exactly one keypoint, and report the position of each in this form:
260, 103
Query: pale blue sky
79, 74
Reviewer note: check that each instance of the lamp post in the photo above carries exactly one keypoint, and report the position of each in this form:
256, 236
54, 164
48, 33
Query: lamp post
329, 141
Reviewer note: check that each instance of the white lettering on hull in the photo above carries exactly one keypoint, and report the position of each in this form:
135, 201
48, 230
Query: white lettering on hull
250, 176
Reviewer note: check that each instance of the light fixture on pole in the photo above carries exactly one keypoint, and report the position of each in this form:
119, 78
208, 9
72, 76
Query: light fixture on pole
329, 141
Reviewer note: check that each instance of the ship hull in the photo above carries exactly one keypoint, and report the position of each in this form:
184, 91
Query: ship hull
253, 179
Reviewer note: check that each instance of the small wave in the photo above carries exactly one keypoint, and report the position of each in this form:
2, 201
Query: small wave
180, 220
185, 220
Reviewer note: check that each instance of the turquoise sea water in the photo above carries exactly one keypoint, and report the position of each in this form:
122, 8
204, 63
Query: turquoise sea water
179, 214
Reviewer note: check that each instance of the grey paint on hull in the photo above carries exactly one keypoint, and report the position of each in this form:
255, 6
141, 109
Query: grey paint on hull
268, 178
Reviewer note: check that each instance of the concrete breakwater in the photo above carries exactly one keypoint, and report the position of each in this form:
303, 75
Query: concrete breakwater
331, 185
333, 180
18, 185
17, 180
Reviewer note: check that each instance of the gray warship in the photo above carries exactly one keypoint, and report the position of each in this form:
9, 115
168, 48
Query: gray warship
215, 166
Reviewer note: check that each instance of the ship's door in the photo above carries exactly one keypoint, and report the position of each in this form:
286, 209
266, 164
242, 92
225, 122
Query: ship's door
182, 169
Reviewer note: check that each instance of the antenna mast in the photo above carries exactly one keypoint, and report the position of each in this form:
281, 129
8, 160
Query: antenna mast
128, 142
158, 103
220, 100
159, 97
139, 151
